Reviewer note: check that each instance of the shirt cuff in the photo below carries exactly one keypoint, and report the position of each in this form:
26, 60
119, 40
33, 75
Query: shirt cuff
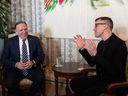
34, 63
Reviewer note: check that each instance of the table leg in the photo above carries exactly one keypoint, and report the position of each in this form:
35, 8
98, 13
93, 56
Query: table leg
56, 85
68, 92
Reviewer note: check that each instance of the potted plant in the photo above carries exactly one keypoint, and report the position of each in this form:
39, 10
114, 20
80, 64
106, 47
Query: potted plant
4, 20
4, 17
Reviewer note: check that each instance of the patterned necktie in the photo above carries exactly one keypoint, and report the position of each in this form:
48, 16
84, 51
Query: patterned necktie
24, 57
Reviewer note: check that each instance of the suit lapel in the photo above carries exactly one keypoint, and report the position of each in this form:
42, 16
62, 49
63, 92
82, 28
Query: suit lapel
17, 51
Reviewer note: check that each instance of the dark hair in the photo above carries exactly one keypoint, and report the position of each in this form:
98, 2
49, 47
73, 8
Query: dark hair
20, 22
108, 20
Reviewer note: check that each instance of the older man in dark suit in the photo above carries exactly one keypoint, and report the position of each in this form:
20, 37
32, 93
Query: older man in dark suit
23, 57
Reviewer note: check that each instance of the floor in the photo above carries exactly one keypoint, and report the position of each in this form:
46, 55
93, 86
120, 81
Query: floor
50, 88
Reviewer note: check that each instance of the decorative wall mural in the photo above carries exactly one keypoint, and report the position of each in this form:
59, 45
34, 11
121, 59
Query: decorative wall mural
98, 3
50, 5
102, 3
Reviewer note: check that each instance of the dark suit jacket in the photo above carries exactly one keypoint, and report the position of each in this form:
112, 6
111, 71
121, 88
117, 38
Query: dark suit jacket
110, 59
11, 53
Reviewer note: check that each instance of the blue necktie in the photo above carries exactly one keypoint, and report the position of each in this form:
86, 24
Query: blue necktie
24, 57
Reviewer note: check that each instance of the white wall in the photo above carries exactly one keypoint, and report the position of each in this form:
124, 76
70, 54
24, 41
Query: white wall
65, 22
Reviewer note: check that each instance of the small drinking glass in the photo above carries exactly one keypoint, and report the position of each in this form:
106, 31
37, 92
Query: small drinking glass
58, 62
81, 65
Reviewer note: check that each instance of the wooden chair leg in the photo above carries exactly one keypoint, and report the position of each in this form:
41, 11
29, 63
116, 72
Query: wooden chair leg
3, 90
43, 89
43, 92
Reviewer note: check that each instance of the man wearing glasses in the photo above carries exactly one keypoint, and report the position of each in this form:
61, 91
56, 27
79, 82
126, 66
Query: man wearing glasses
109, 56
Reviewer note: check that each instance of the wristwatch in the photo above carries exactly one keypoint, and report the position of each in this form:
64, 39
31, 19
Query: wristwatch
34, 63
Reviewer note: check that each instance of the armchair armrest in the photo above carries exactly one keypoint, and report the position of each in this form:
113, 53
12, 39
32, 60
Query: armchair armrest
113, 86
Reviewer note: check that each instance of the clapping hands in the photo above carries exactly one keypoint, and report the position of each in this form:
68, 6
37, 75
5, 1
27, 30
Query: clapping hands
89, 44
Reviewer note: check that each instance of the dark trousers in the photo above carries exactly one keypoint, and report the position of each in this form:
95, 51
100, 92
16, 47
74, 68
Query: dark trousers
12, 79
87, 86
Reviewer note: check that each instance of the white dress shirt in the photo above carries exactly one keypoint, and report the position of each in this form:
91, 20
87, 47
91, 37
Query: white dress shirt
20, 47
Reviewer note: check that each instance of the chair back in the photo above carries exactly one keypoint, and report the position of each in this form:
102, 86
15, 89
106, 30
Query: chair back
127, 61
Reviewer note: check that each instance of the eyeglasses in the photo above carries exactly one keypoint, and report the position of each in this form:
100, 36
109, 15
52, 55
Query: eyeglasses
99, 24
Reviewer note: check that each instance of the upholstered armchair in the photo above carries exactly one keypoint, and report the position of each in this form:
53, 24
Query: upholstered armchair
25, 83
111, 88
